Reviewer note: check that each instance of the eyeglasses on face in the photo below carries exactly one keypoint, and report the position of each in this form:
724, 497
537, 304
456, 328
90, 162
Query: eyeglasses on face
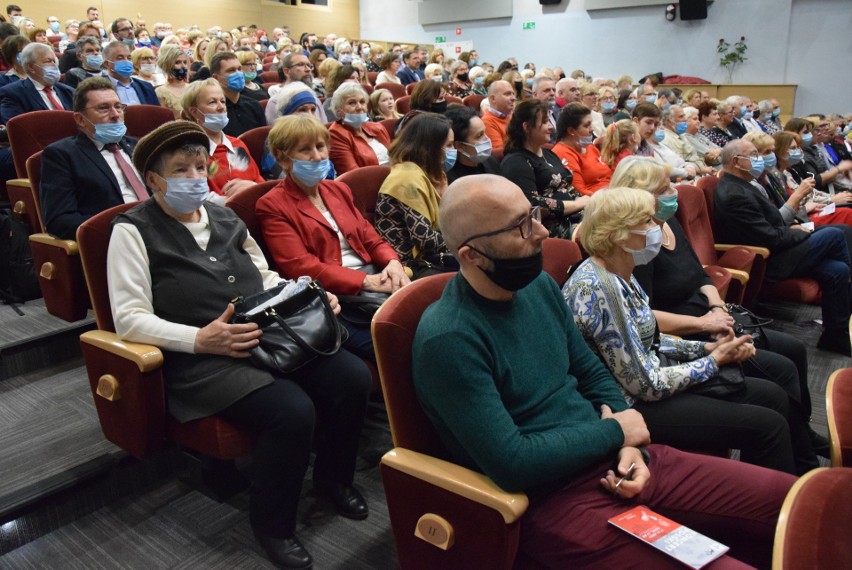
105, 109
524, 226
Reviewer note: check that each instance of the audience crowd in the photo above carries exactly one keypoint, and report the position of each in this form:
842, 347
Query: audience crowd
484, 162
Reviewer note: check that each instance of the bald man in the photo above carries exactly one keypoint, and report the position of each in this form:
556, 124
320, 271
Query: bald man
501, 100
515, 393
746, 216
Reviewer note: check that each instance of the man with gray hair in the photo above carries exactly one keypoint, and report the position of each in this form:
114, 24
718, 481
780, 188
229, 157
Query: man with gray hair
744, 215
544, 89
41, 90
558, 427
740, 110
91, 62
119, 68
765, 120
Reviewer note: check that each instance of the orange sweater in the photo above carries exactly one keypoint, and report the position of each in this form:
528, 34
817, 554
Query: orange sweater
495, 128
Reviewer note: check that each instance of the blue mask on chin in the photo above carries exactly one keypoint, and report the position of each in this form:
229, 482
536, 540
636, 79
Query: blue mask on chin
310, 173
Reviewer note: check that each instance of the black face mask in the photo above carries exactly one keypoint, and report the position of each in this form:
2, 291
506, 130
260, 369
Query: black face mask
179, 74
462, 76
438, 107
518, 86
513, 274
756, 113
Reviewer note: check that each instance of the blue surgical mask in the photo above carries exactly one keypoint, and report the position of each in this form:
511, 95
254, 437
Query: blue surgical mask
667, 206
776, 112
680, 128
630, 104
365, 52
450, 155
145, 43
756, 168
666, 105
659, 135
216, 122
310, 173
479, 81
586, 141
653, 241
94, 61
472, 63
795, 156
355, 120
108, 133
236, 81
346, 58
483, 151
608, 106
129, 43
20, 60
249, 75
769, 160
807, 138
185, 195
51, 74
529, 82
651, 98
743, 111
123, 68
54, 26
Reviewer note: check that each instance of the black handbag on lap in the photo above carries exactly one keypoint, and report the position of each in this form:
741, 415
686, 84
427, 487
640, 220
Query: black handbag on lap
359, 309
296, 330
746, 322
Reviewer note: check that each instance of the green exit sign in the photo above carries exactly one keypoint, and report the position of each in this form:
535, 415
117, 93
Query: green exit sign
440, 39
528, 25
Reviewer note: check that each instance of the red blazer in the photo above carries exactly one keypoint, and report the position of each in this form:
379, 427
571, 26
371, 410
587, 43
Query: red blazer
348, 151
302, 242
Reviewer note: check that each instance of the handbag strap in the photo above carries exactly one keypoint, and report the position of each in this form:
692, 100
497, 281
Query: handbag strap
329, 313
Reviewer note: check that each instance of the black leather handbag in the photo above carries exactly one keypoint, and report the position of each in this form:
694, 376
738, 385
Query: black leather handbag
295, 331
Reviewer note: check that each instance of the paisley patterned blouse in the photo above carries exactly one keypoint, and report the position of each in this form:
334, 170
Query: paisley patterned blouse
615, 319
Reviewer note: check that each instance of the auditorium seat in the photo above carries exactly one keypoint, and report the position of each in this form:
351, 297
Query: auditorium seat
371, 77
473, 101
396, 89
269, 76
838, 409
403, 105
559, 256
142, 119
409, 89
365, 183
390, 126
254, 139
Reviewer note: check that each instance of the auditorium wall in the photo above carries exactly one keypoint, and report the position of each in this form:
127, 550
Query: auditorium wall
804, 42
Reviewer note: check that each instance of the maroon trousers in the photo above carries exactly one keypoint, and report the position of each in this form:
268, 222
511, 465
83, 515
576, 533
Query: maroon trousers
732, 502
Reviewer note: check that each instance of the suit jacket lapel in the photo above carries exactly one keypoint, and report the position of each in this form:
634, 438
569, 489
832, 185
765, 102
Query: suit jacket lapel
90, 151
35, 96
304, 204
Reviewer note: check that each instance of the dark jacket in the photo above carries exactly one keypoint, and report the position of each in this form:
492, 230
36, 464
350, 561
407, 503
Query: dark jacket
22, 97
76, 184
745, 217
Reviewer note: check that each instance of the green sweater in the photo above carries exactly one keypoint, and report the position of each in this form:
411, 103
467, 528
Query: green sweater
511, 387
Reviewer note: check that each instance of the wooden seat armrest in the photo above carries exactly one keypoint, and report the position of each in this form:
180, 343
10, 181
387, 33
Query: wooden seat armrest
69, 245
761, 251
459, 480
22, 182
146, 357
740, 276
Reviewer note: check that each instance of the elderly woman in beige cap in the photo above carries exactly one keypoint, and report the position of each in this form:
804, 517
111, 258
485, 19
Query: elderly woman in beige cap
175, 261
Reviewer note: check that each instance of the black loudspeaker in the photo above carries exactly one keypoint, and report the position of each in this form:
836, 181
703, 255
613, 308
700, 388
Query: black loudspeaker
693, 9
546, 2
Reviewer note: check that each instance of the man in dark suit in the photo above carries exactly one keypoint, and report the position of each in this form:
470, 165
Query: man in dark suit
743, 215
119, 66
92, 171
410, 71
41, 91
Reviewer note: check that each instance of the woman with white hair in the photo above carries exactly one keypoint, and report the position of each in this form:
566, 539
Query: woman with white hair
434, 71
459, 84
477, 79
766, 109
355, 141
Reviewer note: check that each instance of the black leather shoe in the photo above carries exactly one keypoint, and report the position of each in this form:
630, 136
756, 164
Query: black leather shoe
346, 499
819, 443
835, 341
286, 552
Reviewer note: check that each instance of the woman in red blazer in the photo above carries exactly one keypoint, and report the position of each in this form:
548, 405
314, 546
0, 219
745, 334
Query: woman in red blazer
355, 141
312, 227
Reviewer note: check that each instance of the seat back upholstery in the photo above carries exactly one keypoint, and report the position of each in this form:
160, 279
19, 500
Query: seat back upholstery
838, 397
390, 126
371, 77
269, 76
453, 100
409, 89
707, 184
31, 132
813, 527
692, 215
32, 203
93, 240
559, 256
365, 183
396, 89
393, 327
142, 119
244, 204
474, 101
254, 139
403, 105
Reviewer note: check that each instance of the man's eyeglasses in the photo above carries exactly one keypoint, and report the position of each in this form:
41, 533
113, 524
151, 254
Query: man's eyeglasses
122, 30
524, 226
307, 65
105, 109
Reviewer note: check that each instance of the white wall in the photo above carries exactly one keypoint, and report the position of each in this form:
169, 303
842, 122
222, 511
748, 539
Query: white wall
804, 42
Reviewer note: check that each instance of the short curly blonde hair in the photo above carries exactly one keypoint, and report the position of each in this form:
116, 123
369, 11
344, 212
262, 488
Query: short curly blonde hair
641, 172
610, 214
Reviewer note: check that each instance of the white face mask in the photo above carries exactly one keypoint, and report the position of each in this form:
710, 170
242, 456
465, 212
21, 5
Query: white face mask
148, 68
